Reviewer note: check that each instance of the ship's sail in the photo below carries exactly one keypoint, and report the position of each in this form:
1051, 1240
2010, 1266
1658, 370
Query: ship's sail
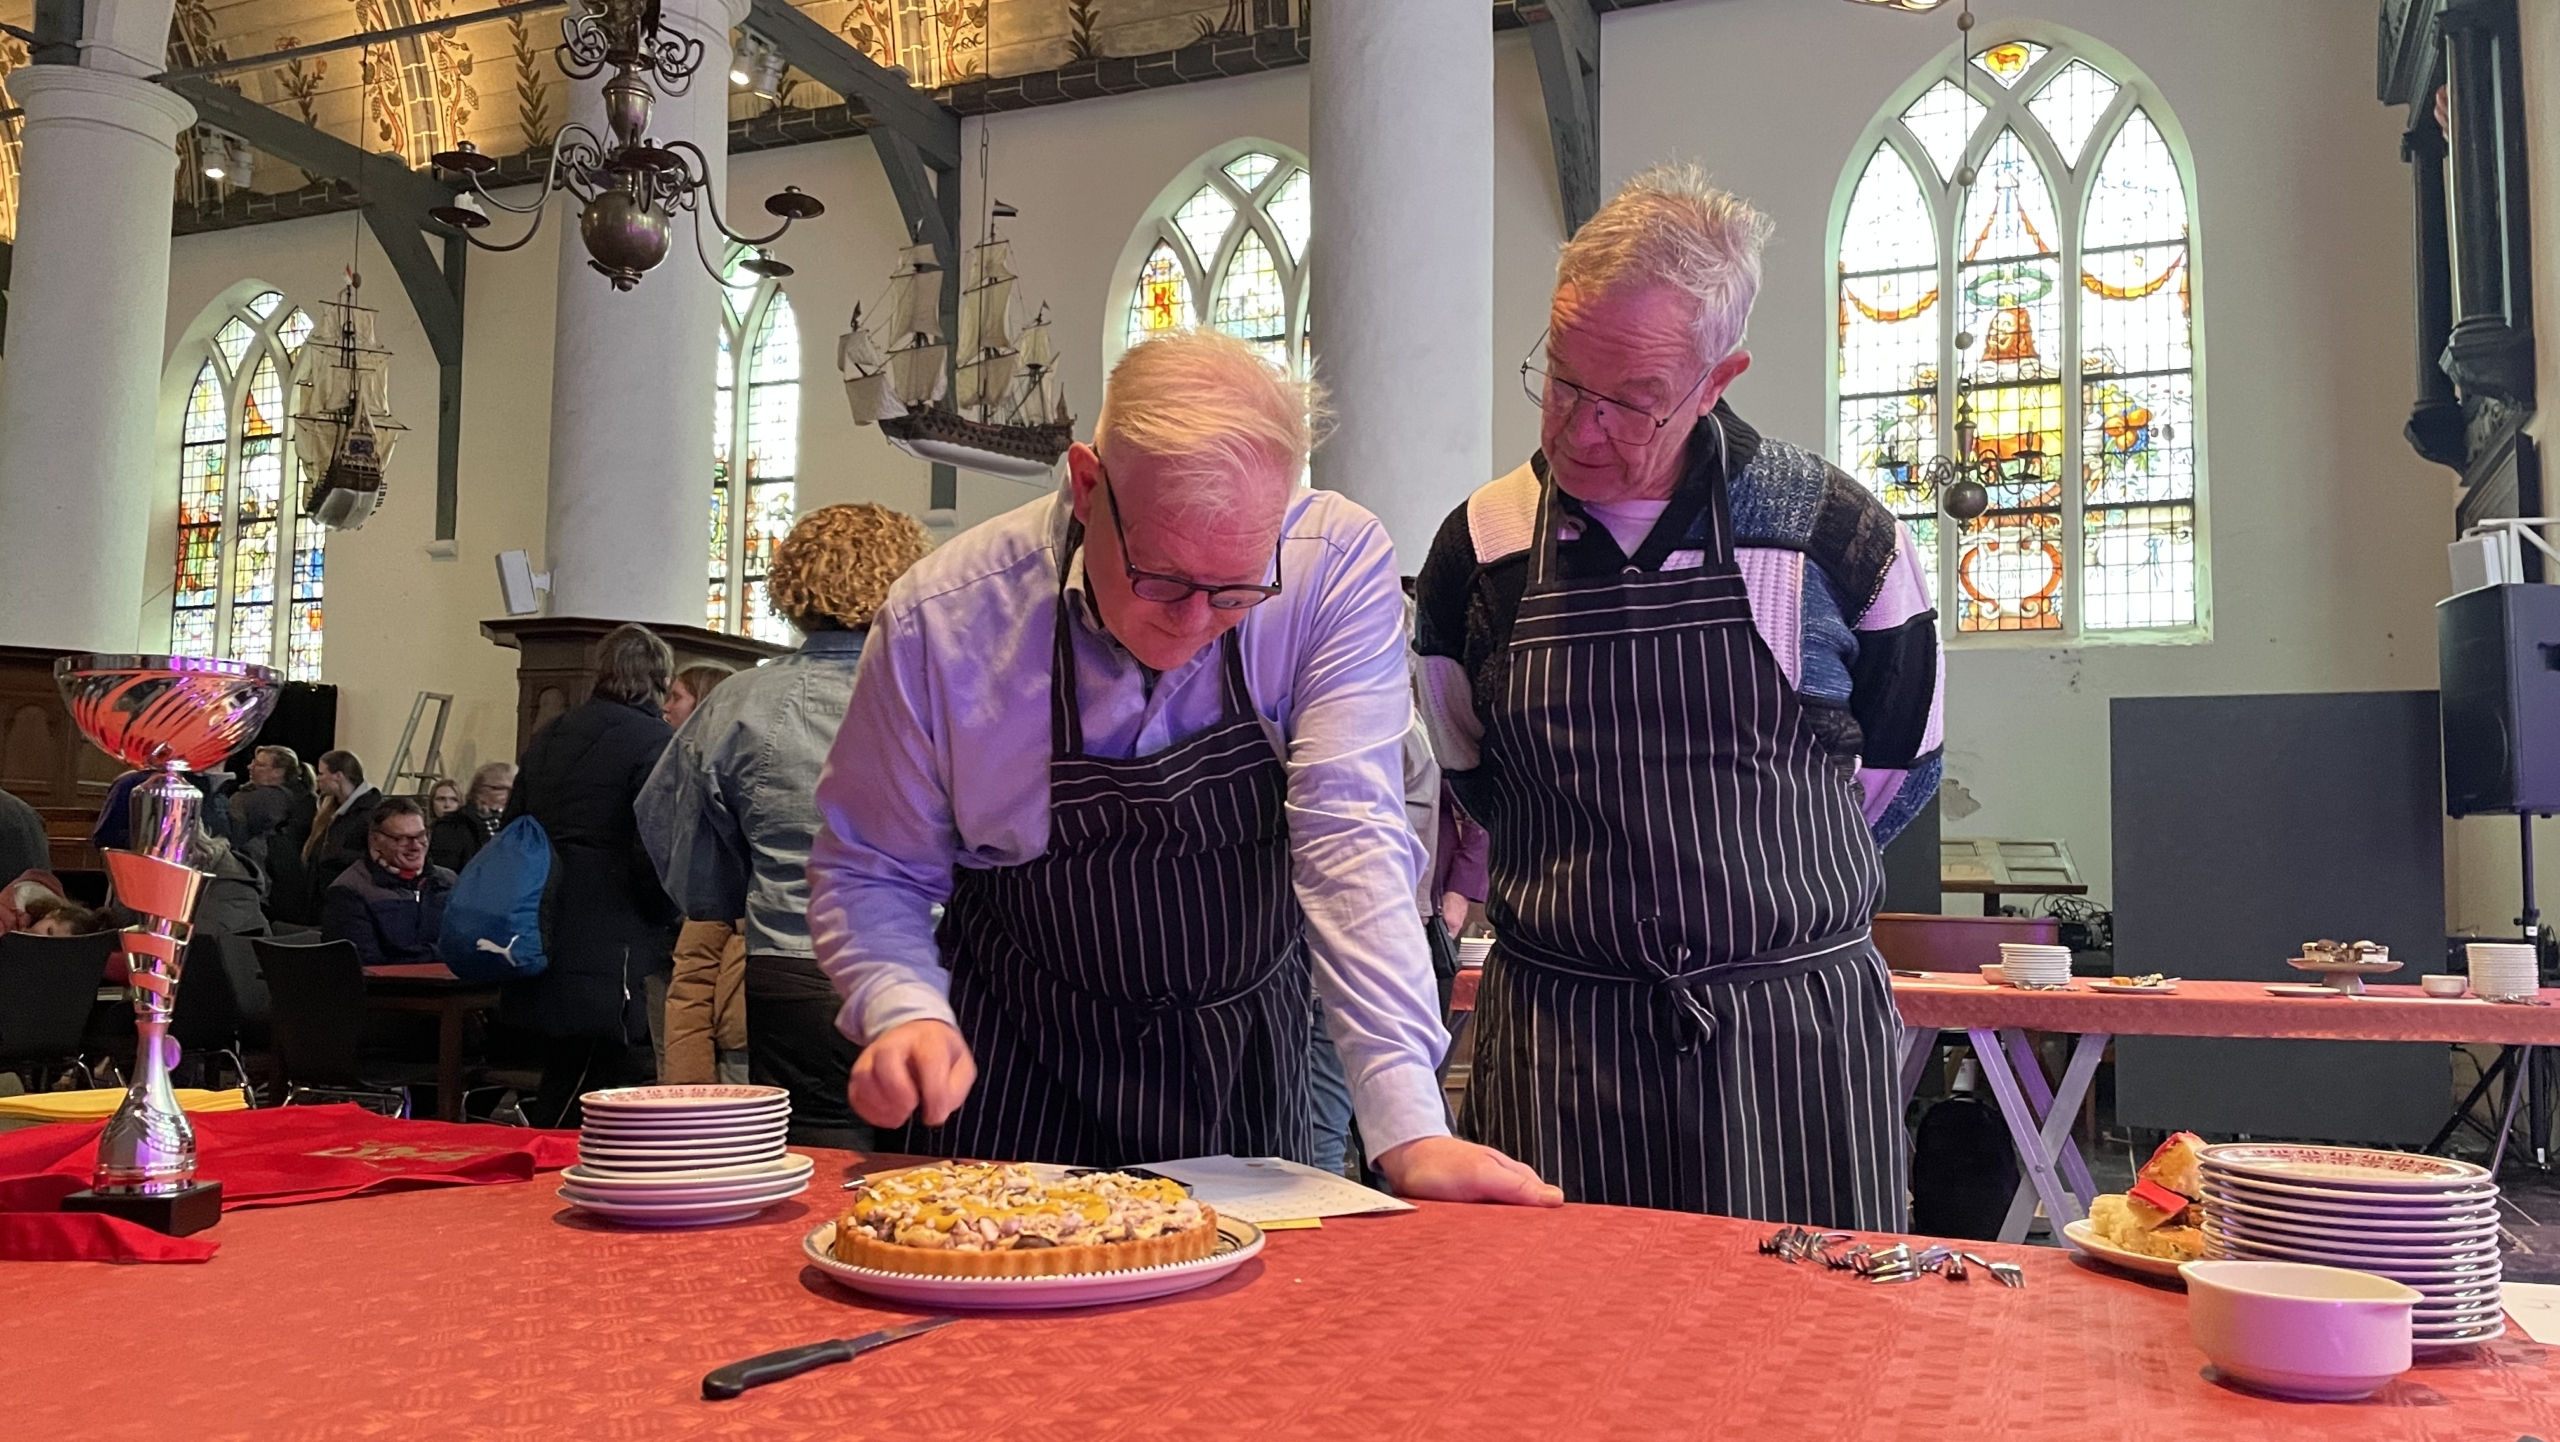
916, 374
871, 398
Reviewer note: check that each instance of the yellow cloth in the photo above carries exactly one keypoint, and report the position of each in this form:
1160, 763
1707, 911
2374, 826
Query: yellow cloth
100, 1103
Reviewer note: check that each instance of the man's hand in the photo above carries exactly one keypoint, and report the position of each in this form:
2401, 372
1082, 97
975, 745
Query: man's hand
921, 1062
1453, 911
1445, 1169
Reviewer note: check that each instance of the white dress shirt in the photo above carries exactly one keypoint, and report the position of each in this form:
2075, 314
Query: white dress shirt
943, 762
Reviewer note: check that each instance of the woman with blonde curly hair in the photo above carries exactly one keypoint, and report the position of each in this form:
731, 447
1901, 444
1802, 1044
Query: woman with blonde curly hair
728, 815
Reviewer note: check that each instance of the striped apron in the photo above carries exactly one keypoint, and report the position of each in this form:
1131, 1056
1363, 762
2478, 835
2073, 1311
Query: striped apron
1682, 1009
1137, 992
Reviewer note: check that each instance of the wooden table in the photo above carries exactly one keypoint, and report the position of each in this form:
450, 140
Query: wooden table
494, 1312
430, 987
1997, 1019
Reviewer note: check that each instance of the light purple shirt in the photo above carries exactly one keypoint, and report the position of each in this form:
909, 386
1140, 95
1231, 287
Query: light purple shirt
943, 763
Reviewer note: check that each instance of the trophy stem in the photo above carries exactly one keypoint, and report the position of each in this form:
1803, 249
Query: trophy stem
149, 1147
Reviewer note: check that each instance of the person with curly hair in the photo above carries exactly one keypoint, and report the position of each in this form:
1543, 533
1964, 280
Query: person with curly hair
729, 813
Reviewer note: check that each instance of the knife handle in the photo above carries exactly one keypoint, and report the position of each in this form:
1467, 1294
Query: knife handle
737, 1377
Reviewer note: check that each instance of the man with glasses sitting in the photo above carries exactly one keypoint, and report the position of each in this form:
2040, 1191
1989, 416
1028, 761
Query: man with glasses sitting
1686, 677
391, 903
1142, 740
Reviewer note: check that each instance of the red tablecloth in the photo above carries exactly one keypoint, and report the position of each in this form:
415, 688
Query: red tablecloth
2223, 1008
492, 1312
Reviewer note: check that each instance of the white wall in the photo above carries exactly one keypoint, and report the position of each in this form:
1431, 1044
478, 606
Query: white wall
2327, 531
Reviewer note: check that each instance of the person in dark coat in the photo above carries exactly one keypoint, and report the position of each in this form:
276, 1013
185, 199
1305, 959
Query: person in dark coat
454, 838
270, 819
391, 903
608, 925
341, 843
23, 846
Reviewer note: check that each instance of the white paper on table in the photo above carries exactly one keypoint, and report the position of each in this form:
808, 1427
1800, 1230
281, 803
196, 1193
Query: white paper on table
2536, 1308
1269, 1189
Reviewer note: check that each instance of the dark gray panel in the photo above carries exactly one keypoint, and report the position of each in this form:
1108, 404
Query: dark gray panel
2244, 826
1911, 866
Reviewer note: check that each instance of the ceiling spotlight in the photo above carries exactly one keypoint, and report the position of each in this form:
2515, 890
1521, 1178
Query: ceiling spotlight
1913, 6
224, 157
755, 66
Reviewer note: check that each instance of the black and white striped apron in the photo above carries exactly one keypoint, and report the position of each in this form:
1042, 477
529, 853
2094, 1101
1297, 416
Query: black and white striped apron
1682, 1009
1137, 992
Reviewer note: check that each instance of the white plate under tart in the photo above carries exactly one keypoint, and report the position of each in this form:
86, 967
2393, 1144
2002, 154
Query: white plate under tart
1239, 1241
2086, 1238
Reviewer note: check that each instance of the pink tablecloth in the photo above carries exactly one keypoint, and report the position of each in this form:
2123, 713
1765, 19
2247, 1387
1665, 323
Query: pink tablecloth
1955, 1001
494, 1312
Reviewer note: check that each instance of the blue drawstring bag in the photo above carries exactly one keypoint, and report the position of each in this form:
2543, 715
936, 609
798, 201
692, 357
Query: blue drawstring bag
493, 919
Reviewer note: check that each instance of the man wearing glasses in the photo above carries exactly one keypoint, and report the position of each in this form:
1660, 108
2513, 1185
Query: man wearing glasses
1686, 677
1142, 741
391, 903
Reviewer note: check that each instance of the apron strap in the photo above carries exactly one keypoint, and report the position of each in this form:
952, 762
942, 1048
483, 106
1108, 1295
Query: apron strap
1066, 710
1680, 989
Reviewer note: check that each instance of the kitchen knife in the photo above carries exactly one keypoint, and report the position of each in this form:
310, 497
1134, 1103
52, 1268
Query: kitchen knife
737, 1377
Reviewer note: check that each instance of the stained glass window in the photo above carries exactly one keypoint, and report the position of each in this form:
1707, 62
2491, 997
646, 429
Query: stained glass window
248, 563
2054, 357
2071, 104
2005, 63
1231, 255
1289, 211
1944, 119
1162, 299
756, 448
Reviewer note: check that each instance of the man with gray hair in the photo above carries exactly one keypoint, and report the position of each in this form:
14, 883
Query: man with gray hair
1142, 739
1686, 677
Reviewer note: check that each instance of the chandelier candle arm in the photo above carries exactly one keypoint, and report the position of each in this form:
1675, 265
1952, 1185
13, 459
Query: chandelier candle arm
628, 188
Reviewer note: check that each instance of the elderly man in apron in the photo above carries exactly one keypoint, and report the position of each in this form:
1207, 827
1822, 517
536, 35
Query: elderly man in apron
1686, 676
1142, 741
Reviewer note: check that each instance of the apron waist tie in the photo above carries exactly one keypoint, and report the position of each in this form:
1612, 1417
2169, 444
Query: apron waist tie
1679, 989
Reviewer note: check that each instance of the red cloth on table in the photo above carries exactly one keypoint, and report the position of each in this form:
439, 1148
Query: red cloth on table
268, 1158
93, 1237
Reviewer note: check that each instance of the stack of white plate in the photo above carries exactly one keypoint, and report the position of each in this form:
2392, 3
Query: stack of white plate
1473, 950
684, 1156
2034, 965
2504, 971
2427, 1222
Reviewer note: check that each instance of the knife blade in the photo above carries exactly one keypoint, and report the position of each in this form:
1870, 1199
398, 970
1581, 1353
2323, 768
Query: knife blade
728, 1382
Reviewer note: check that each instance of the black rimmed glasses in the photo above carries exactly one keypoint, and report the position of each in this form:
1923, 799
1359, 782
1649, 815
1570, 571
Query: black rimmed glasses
1624, 422
1166, 590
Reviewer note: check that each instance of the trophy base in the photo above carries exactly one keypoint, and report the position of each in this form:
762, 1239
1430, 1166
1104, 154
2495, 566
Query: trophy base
190, 1209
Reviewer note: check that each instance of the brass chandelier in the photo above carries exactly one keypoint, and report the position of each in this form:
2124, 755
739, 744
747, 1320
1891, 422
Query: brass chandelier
629, 188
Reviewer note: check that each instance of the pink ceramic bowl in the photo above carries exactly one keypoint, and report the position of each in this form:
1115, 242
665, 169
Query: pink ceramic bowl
2322, 1333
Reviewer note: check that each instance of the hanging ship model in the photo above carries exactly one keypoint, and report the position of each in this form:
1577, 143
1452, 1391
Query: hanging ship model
342, 425
1001, 411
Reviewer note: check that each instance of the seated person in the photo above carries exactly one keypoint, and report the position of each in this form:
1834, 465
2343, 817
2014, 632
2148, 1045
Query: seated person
391, 903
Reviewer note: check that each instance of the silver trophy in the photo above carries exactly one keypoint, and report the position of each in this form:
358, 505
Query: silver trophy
169, 715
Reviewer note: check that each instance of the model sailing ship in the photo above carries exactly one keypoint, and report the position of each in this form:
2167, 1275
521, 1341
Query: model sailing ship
342, 425
1006, 414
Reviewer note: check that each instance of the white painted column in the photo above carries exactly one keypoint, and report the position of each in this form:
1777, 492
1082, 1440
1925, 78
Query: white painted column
1400, 122
628, 531
88, 315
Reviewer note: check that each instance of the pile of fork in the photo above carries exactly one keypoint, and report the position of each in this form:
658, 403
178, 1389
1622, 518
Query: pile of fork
1841, 1252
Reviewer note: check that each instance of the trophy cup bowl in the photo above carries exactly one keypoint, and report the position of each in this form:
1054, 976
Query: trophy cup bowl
170, 714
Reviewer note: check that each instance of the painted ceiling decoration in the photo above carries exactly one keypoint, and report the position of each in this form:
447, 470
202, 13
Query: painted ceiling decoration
493, 83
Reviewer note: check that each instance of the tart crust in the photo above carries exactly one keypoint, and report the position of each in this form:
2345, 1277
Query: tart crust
857, 1248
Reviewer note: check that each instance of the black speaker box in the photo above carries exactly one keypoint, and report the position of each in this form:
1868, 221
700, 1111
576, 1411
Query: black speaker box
2498, 649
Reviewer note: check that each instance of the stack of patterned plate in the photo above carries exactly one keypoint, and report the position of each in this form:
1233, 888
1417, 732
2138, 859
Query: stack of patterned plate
684, 1156
2428, 1222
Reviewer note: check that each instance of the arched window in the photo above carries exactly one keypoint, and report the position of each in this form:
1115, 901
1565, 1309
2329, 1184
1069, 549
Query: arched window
1224, 246
756, 322
249, 563
2016, 288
